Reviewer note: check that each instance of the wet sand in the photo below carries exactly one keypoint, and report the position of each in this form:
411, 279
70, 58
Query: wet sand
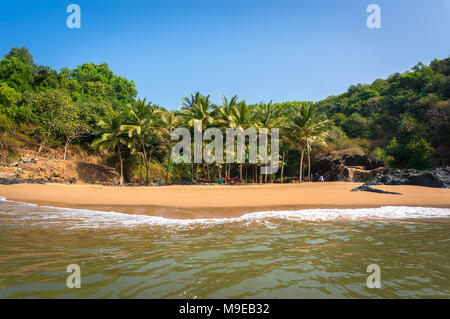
215, 201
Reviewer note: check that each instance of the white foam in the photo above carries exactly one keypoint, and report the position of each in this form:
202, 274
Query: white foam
83, 218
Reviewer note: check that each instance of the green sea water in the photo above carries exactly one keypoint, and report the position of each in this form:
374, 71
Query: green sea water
301, 254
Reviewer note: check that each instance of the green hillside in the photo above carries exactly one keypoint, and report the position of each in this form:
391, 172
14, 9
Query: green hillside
403, 120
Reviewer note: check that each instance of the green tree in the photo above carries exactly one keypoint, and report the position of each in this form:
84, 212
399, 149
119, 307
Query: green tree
22, 54
16, 74
306, 127
245, 119
141, 123
197, 107
113, 138
51, 109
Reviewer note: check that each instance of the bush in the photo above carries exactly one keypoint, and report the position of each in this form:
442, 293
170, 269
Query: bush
415, 154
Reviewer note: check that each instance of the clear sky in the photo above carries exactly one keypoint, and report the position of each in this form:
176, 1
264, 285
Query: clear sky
259, 50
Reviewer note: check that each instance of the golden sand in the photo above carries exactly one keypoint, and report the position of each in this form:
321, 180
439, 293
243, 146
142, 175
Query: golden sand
209, 201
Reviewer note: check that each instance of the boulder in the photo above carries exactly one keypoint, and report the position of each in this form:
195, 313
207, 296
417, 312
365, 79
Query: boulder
348, 167
437, 177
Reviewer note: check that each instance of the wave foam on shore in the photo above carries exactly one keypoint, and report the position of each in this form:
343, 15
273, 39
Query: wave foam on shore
83, 218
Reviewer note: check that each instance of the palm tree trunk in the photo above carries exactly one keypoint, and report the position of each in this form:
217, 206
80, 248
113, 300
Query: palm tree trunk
168, 168
140, 170
300, 175
240, 172
147, 167
282, 165
309, 162
121, 166
145, 158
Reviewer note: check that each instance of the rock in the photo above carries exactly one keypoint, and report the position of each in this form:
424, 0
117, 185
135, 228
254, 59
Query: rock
367, 188
348, 167
437, 177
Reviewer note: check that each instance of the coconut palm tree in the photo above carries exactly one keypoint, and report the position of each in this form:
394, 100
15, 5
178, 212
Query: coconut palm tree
286, 144
306, 127
223, 114
224, 117
169, 121
244, 119
269, 116
141, 123
113, 138
197, 107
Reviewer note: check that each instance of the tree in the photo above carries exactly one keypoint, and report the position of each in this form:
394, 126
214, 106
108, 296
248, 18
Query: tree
169, 120
197, 107
306, 128
268, 116
21, 54
16, 74
356, 125
224, 117
51, 110
141, 120
72, 126
97, 80
113, 138
244, 119
10, 107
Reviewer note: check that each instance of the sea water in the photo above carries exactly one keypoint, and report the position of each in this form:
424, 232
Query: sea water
317, 253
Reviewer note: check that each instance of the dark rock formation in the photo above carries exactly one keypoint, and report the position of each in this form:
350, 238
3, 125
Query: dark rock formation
436, 177
367, 188
339, 166
11, 181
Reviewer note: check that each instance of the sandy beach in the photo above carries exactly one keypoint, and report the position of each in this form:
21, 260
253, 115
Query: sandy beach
215, 201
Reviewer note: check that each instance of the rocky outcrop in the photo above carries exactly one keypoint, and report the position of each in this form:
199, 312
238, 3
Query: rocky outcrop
436, 177
348, 167
367, 188
57, 171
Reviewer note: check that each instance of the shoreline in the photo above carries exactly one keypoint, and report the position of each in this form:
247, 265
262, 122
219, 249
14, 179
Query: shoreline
221, 201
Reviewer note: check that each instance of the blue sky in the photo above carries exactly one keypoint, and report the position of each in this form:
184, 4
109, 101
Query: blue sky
259, 50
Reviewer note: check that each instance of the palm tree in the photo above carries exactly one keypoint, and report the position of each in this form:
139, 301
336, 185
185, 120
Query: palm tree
224, 114
269, 116
285, 144
113, 138
224, 117
169, 120
200, 108
306, 127
142, 117
244, 119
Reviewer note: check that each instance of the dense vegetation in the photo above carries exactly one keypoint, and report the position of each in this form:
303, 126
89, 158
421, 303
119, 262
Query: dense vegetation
406, 118
403, 120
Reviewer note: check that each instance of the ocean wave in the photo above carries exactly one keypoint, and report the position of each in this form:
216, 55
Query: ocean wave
84, 218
